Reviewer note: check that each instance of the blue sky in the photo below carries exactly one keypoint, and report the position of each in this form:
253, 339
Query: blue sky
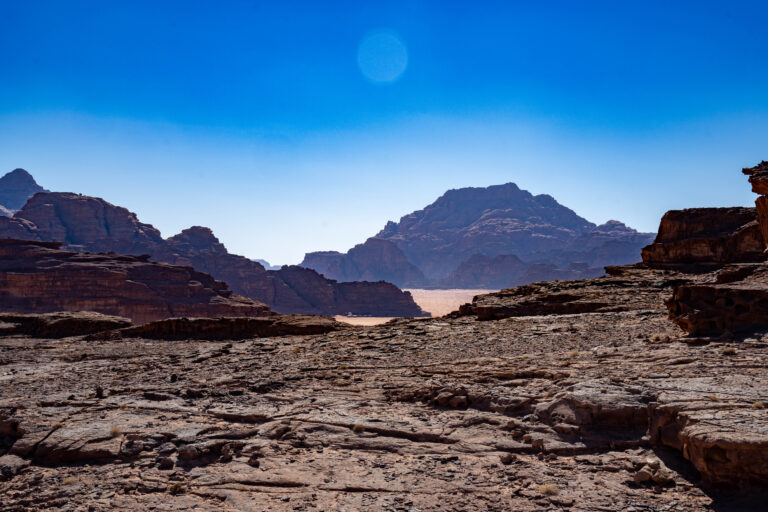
256, 118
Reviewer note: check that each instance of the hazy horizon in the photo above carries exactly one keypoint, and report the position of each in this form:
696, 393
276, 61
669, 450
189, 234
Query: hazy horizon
300, 127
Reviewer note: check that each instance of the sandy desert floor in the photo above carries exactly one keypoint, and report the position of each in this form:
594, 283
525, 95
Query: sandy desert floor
437, 302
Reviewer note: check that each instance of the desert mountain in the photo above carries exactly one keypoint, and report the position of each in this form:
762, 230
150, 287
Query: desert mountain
91, 224
15, 188
477, 237
40, 277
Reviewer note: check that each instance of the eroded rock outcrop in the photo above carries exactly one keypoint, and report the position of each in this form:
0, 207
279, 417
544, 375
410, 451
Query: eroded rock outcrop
736, 301
736, 298
706, 238
40, 277
60, 324
758, 178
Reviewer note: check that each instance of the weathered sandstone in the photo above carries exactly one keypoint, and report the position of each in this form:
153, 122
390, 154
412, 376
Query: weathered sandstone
60, 324
40, 277
706, 238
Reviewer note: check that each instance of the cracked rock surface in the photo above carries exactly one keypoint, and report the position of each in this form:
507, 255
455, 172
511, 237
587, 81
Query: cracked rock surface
535, 407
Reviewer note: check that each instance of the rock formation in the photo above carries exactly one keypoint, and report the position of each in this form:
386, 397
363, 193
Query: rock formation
61, 324
758, 178
15, 188
39, 277
735, 298
374, 260
450, 240
706, 238
86, 223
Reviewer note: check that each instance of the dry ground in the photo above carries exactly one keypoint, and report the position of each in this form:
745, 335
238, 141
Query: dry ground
572, 412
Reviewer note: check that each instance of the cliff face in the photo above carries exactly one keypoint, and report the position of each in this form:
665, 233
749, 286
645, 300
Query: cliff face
475, 237
706, 237
374, 260
91, 224
728, 241
39, 277
15, 188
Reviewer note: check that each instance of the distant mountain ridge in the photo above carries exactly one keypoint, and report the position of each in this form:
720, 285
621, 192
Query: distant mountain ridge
489, 237
91, 224
15, 188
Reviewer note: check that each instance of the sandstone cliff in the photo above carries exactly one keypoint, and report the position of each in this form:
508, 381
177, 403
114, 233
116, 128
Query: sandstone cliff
730, 240
39, 277
92, 224
706, 238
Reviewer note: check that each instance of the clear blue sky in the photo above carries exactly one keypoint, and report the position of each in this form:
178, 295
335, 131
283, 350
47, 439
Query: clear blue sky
257, 119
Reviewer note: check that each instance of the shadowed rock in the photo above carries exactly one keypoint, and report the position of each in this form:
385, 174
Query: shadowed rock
39, 277
706, 238
60, 324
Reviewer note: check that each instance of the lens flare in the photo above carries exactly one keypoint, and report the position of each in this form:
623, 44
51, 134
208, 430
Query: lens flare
382, 56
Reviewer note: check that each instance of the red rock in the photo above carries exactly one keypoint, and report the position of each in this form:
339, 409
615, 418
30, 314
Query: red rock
92, 224
39, 277
706, 238
737, 301
60, 324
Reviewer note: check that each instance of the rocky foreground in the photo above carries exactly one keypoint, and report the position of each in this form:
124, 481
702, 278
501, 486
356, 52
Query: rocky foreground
603, 404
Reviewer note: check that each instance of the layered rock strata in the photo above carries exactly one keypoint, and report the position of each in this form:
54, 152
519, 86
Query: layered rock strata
40, 277
706, 238
736, 298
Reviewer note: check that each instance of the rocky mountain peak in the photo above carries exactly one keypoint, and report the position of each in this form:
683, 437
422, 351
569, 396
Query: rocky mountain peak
198, 237
16, 187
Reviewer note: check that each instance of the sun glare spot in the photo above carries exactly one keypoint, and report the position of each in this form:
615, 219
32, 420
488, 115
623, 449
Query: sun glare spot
382, 56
